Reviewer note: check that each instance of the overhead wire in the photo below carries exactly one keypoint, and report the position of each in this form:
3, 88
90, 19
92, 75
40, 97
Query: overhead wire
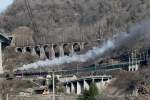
30, 13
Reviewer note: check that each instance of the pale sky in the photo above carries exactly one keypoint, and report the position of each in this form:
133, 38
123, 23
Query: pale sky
4, 4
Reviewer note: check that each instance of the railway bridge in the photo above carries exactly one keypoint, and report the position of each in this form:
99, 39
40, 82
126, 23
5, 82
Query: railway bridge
52, 50
76, 86
25, 41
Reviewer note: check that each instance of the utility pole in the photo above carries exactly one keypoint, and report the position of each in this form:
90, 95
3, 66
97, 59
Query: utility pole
7, 97
1, 68
129, 61
53, 84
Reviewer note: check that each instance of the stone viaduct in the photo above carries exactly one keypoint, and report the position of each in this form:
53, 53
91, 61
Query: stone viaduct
23, 41
52, 50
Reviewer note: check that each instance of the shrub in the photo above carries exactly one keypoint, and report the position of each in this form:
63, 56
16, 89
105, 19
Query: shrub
89, 94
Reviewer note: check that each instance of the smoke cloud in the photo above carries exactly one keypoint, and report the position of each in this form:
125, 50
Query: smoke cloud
91, 54
138, 33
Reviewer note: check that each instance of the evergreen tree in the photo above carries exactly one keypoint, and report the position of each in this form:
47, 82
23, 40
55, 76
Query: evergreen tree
89, 94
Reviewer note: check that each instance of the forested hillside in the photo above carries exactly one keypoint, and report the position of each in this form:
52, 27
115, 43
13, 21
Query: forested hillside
74, 18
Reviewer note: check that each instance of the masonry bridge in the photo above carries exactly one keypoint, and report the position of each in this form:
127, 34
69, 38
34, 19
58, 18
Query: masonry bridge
23, 40
52, 50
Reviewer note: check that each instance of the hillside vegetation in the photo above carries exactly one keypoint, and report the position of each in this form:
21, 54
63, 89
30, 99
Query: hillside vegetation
74, 18
127, 83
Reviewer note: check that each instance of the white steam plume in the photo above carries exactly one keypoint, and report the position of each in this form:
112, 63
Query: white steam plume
91, 54
135, 34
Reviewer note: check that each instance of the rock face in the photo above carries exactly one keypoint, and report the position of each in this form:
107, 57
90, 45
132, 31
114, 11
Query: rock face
74, 20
